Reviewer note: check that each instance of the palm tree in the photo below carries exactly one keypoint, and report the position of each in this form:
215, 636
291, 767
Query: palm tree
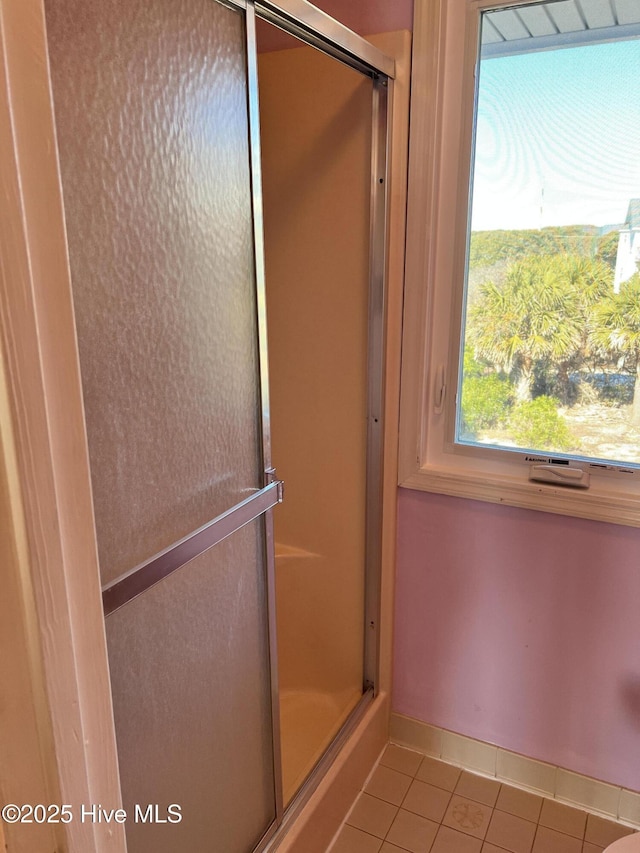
541, 313
617, 331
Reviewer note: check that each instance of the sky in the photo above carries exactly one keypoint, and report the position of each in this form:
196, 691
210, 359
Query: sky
558, 137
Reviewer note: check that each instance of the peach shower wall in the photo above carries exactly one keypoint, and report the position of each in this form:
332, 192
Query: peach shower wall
522, 629
316, 146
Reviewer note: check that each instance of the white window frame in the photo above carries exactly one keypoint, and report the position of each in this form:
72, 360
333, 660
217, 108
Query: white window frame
442, 112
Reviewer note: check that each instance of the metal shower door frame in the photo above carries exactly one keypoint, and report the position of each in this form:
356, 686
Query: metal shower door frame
317, 29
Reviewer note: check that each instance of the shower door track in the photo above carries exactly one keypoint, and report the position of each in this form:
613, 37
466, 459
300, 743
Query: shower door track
315, 27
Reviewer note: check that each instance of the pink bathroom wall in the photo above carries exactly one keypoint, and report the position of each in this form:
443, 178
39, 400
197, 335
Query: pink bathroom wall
363, 16
522, 629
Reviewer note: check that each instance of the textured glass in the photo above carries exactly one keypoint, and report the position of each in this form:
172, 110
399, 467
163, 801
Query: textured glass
151, 113
190, 679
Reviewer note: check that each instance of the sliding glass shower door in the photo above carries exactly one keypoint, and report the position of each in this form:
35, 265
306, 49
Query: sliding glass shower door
153, 122
316, 141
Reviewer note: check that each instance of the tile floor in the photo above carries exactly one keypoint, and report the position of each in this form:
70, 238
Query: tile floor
421, 805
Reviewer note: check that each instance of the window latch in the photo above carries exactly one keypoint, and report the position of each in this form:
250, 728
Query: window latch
439, 390
568, 476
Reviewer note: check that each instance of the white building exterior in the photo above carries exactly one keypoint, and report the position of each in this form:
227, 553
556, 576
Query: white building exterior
628, 257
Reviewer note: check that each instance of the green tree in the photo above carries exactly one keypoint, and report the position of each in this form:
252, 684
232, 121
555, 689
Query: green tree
541, 314
486, 402
607, 249
489, 247
538, 424
617, 331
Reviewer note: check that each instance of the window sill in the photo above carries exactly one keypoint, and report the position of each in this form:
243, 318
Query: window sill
596, 504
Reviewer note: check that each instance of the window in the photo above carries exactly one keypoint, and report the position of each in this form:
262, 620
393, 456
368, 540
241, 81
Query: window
521, 367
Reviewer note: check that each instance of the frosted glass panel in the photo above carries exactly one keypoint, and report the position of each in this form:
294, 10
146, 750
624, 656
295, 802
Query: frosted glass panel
151, 113
190, 681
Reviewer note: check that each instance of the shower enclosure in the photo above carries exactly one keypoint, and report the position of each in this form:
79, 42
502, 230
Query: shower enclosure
236, 656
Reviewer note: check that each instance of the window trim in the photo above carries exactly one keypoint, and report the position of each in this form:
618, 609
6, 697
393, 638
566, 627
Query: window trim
443, 95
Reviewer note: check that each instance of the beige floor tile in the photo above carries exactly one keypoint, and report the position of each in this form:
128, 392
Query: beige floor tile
520, 803
438, 773
388, 784
468, 816
401, 759
426, 800
372, 815
478, 788
420, 804
511, 832
352, 840
550, 841
412, 832
603, 832
563, 818
450, 841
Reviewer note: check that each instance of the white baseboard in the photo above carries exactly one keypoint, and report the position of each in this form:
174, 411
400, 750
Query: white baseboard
554, 782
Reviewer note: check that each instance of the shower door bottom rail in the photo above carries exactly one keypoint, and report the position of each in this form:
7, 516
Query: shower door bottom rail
134, 582
317, 774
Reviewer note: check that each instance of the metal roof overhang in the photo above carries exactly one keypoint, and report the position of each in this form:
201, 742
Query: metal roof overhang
556, 24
